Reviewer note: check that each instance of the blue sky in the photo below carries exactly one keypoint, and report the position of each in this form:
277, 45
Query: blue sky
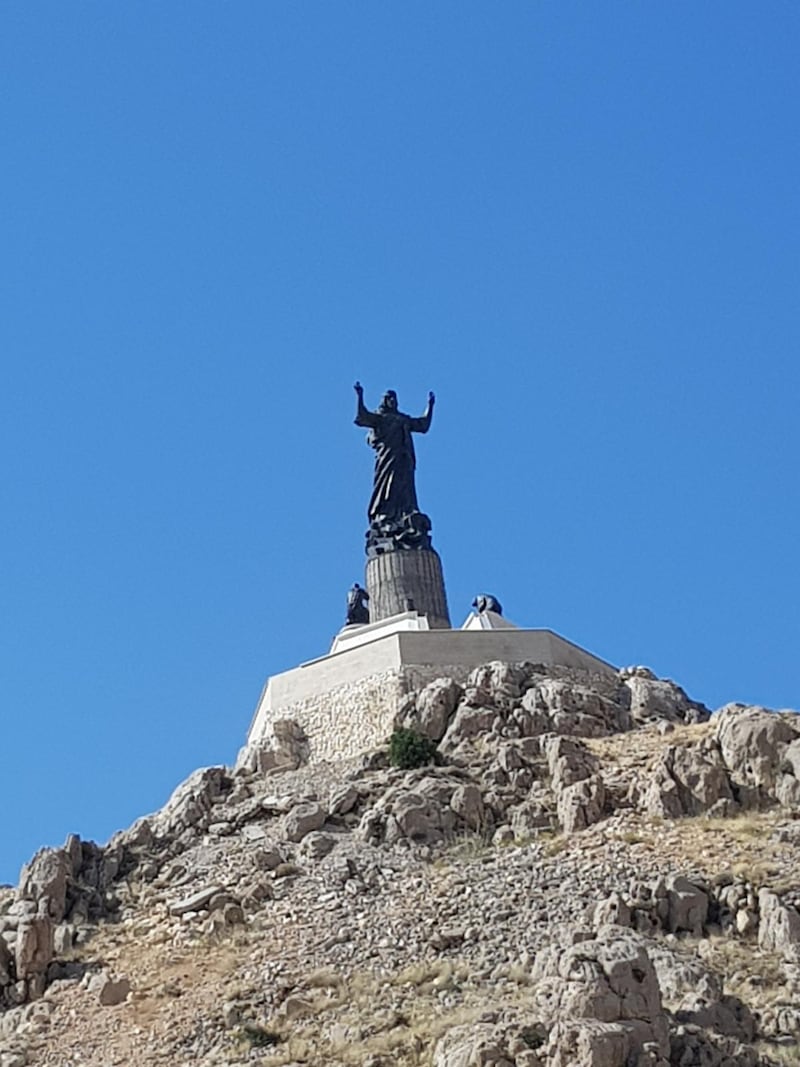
577, 223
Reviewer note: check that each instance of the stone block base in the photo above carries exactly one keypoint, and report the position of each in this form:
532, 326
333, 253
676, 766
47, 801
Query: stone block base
346, 702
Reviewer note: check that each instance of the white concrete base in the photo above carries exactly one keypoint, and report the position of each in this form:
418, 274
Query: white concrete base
352, 636
487, 620
346, 701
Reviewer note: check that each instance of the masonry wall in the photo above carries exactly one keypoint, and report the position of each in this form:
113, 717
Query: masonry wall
358, 715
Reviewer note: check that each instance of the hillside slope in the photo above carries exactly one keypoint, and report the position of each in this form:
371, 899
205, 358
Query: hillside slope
594, 873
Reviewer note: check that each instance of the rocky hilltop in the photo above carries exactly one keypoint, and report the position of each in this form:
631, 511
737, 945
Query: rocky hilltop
590, 873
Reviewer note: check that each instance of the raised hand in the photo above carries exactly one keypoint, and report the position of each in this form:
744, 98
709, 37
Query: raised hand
359, 388
431, 399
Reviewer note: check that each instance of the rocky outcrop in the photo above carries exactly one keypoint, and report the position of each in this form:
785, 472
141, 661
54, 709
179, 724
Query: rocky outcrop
457, 884
756, 746
778, 925
286, 749
430, 710
607, 979
658, 699
688, 780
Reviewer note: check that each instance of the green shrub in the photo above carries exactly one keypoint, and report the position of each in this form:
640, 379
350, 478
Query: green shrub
259, 1037
409, 749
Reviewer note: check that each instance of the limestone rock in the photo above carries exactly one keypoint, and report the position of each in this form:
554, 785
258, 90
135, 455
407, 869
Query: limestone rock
531, 817
592, 1043
681, 974
581, 804
686, 780
6, 958
468, 722
197, 901
34, 947
108, 990
569, 761
417, 817
688, 905
435, 705
725, 1015
779, 925
303, 819
317, 844
613, 910
653, 699
692, 1046
343, 800
753, 742
191, 804
467, 803
501, 683
468, 1046
569, 708
45, 879
609, 978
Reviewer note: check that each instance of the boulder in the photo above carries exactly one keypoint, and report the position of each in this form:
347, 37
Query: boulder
653, 699
468, 722
468, 1046
434, 707
34, 947
343, 800
45, 879
608, 978
317, 845
613, 910
686, 780
418, 818
778, 926
108, 990
591, 1043
192, 802
681, 974
569, 761
753, 743
570, 708
6, 958
302, 819
726, 1015
467, 803
582, 804
197, 901
692, 1046
501, 683
530, 818
687, 905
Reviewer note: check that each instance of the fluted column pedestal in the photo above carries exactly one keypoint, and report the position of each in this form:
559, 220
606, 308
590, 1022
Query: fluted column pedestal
407, 580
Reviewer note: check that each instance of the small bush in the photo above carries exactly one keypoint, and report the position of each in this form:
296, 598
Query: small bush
408, 749
259, 1036
534, 1036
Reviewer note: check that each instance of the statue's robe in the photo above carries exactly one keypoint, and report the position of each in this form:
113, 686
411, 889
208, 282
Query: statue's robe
394, 493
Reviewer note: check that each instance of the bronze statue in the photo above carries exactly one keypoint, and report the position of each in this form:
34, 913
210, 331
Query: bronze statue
357, 610
487, 602
394, 515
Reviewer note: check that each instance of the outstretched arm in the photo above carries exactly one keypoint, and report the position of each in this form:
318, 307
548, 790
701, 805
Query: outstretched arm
423, 423
363, 417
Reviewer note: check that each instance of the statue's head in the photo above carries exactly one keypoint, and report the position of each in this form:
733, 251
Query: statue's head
389, 402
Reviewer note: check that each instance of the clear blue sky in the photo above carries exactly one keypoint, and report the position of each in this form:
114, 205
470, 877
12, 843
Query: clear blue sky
577, 223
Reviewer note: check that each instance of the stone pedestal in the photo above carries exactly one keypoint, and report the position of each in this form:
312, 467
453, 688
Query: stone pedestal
407, 580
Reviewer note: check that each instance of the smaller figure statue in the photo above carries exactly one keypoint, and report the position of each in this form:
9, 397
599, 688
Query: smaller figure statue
487, 602
357, 610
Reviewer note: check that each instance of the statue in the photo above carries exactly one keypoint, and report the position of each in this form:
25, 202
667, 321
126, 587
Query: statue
394, 515
357, 610
486, 602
